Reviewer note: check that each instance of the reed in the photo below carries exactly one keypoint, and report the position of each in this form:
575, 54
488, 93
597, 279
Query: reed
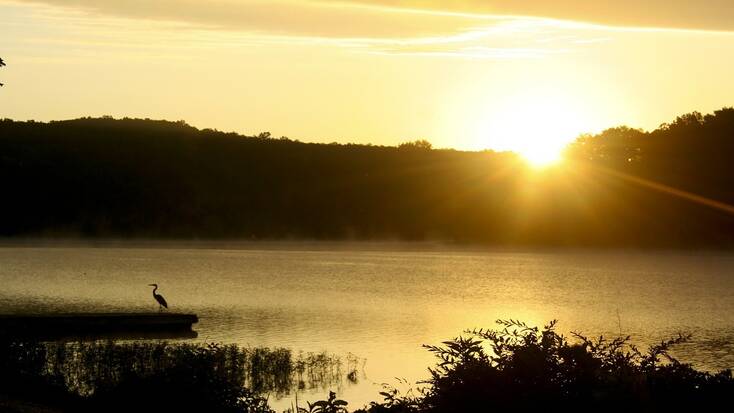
99, 373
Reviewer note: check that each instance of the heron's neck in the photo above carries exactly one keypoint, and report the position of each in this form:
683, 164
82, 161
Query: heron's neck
154, 289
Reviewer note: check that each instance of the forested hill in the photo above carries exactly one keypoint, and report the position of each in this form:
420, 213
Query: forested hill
156, 179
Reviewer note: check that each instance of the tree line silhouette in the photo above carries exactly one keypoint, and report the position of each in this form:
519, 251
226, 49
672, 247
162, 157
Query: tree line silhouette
141, 178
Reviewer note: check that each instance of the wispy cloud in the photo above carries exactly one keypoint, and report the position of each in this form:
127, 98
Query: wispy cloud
367, 28
711, 15
401, 18
500, 38
279, 17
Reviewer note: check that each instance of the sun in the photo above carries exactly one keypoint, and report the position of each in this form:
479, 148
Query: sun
537, 126
542, 157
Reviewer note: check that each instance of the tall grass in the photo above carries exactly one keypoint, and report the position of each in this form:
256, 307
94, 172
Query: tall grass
234, 378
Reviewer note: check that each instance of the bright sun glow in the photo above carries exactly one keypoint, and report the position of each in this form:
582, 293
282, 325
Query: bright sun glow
536, 125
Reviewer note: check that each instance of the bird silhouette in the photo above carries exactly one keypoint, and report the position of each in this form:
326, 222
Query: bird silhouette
161, 301
2, 63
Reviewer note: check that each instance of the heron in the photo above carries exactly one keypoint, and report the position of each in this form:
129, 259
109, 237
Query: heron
161, 301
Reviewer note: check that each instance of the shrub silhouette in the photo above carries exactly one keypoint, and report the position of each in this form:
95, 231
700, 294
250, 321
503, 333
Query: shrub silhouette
330, 405
523, 368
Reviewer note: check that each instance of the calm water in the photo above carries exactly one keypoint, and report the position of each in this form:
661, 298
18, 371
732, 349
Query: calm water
381, 302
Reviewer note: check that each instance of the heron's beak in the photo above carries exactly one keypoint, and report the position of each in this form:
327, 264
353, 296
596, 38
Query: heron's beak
152, 285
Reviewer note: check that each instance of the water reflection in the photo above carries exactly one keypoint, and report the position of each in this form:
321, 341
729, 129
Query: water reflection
384, 304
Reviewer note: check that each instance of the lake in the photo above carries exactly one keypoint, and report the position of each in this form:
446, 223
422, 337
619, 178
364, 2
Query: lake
381, 302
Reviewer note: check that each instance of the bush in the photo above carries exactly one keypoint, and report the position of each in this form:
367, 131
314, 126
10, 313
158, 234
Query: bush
524, 368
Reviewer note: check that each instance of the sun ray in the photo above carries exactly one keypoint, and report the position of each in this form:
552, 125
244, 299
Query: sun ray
537, 124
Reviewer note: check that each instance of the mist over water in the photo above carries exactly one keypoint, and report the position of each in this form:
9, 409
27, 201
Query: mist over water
382, 301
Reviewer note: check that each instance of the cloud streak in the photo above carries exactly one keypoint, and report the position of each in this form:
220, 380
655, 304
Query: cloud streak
471, 28
406, 18
368, 28
713, 15
281, 17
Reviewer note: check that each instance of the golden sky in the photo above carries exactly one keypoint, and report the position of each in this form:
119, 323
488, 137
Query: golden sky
463, 74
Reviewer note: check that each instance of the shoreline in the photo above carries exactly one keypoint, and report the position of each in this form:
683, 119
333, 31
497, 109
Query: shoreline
306, 245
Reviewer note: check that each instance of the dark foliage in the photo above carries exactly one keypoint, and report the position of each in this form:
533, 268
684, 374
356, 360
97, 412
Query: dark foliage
21, 364
143, 178
128, 377
395, 402
517, 367
150, 376
522, 368
330, 405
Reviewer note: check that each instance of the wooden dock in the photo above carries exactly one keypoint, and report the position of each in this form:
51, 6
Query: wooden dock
91, 326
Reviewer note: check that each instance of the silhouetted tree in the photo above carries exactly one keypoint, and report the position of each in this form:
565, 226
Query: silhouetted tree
417, 144
144, 178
